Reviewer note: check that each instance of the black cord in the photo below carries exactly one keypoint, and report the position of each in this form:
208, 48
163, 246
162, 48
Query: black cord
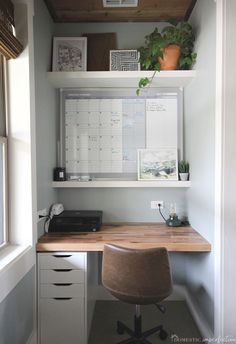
45, 222
159, 208
43, 216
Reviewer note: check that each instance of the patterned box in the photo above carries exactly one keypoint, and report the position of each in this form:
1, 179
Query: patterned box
124, 60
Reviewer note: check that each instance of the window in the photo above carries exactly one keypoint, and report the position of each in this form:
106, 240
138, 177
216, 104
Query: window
10, 48
17, 256
3, 156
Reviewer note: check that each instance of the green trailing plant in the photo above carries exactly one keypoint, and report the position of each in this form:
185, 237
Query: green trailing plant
183, 166
180, 34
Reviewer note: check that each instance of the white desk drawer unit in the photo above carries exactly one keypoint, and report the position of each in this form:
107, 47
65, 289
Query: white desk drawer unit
62, 298
61, 290
75, 261
61, 276
60, 321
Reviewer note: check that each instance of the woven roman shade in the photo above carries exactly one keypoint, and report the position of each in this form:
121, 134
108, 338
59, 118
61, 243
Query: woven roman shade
10, 47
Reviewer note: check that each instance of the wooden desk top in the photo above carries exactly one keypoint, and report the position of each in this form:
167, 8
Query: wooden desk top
132, 235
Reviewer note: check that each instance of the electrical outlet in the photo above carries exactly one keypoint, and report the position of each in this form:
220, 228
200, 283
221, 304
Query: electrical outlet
155, 204
42, 212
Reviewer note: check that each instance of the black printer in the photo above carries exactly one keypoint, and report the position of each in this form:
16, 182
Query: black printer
72, 221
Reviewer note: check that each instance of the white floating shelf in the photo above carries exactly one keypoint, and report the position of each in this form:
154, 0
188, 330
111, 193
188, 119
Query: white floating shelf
122, 184
176, 78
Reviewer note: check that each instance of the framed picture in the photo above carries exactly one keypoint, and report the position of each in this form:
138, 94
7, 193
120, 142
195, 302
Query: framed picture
69, 54
157, 164
124, 60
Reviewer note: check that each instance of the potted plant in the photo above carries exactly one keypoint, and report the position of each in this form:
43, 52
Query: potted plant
183, 170
170, 49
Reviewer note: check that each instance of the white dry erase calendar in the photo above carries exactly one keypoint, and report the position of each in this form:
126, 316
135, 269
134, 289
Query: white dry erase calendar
102, 130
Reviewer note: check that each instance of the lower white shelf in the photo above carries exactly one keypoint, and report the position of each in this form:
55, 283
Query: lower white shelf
123, 184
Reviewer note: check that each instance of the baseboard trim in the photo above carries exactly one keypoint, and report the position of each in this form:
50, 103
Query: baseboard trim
32, 338
197, 315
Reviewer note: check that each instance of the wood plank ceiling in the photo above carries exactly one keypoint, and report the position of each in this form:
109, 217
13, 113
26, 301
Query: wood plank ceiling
69, 11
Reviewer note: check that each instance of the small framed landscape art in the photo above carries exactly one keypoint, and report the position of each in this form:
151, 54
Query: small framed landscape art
157, 164
69, 54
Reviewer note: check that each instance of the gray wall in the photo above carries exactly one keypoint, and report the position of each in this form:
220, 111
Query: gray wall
129, 35
16, 312
122, 204
46, 109
199, 146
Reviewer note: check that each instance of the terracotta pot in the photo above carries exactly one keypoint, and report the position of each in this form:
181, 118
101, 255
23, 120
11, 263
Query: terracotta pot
170, 59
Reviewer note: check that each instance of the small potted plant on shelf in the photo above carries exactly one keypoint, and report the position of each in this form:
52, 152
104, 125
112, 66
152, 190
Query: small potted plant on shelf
183, 170
170, 49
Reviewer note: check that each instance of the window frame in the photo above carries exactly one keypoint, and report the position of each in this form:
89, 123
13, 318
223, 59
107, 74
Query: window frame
18, 257
3, 141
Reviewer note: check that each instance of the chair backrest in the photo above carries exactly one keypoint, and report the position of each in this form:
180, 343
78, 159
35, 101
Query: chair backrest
139, 276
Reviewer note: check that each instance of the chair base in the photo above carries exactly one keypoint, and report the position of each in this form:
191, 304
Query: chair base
137, 336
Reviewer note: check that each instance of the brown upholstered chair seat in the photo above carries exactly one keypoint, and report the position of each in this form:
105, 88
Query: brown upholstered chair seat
139, 277
139, 299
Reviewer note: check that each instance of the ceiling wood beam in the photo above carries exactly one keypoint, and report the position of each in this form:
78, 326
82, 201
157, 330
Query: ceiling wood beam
93, 11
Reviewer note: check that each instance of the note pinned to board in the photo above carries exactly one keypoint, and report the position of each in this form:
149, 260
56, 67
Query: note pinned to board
162, 122
154, 105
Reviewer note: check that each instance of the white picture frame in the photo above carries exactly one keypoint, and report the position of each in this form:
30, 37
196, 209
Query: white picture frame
158, 164
69, 54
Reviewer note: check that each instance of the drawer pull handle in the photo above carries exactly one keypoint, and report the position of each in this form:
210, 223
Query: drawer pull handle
62, 270
62, 284
62, 256
62, 298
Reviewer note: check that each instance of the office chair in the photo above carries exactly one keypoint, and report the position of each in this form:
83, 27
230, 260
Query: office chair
140, 277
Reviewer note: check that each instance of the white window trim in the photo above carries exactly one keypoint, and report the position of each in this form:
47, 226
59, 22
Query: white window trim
16, 261
3, 140
19, 255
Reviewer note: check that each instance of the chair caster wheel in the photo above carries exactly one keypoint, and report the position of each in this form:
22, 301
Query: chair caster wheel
119, 328
163, 335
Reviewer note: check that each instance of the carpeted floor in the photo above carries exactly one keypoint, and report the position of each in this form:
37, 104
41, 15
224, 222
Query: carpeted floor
177, 322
